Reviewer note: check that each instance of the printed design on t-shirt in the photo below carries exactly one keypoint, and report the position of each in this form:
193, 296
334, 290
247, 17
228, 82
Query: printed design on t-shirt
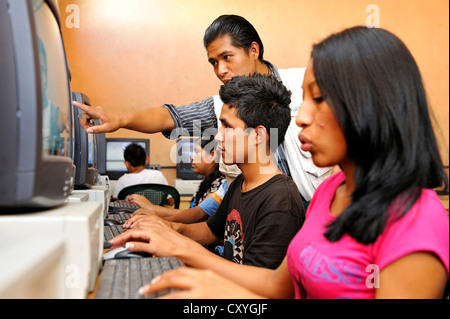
234, 238
318, 267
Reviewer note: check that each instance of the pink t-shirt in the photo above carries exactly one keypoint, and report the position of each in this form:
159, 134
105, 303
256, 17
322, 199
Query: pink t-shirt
346, 268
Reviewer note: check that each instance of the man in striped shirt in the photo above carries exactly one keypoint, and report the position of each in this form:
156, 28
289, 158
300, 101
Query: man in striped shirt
234, 48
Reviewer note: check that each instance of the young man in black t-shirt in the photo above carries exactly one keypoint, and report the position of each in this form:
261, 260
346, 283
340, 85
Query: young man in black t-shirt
262, 209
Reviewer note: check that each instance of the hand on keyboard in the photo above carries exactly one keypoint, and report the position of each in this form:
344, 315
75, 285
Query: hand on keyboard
145, 221
195, 284
141, 201
155, 237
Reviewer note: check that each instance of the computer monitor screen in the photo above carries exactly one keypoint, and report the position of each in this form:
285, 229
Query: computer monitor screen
185, 150
115, 147
36, 133
100, 151
55, 102
92, 151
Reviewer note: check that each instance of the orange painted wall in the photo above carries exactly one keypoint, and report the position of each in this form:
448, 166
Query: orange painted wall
134, 54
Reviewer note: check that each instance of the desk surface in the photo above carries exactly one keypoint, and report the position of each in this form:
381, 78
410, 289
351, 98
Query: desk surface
185, 202
92, 294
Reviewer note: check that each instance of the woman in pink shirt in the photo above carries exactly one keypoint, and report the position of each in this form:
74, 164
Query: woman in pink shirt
376, 229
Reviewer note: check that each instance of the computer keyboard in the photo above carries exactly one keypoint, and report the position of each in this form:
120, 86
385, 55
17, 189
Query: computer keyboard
110, 232
122, 278
120, 218
121, 204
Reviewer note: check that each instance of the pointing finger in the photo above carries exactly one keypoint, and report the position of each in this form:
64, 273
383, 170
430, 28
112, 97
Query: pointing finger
91, 113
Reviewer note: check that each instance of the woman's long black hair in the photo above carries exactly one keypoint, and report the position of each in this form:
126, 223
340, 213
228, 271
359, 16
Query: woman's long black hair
371, 81
209, 145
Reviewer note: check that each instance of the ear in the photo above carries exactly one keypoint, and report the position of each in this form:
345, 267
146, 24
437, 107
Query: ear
261, 135
213, 156
146, 160
254, 50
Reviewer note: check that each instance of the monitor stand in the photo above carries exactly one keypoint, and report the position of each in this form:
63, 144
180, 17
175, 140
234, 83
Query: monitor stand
32, 268
80, 228
97, 193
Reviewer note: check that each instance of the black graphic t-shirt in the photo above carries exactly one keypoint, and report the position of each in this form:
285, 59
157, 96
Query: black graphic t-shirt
258, 225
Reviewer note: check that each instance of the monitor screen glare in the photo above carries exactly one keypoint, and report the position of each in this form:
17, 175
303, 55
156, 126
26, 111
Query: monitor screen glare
55, 102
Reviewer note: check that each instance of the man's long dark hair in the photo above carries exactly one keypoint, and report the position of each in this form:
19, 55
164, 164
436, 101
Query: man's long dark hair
242, 32
371, 81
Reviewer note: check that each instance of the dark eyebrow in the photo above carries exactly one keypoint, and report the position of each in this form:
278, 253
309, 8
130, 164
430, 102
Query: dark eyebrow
224, 121
220, 55
225, 53
310, 85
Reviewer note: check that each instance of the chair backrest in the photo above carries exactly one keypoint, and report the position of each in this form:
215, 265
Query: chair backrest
156, 193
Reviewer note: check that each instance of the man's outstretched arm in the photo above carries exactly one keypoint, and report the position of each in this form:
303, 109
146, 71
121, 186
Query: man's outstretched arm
150, 120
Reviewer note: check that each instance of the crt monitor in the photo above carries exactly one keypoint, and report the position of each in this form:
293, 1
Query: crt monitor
35, 135
185, 150
97, 151
99, 157
84, 154
115, 166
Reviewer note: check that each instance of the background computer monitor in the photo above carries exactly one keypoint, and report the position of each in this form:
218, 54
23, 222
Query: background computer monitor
100, 151
85, 148
185, 150
35, 135
115, 166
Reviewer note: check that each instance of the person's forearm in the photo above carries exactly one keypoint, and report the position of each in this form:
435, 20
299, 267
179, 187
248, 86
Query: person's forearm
166, 212
151, 120
199, 232
262, 281
188, 216
185, 216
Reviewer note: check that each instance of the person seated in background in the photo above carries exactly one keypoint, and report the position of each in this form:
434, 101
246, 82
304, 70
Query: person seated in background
262, 209
135, 161
204, 162
375, 230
